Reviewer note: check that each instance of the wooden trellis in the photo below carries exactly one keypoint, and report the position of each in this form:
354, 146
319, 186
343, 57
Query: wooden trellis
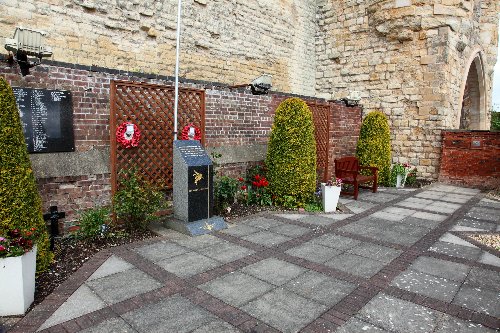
321, 118
151, 108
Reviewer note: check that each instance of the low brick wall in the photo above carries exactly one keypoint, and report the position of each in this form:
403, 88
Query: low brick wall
237, 125
471, 158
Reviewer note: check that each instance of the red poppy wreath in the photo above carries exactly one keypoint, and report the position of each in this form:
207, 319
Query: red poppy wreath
185, 133
128, 135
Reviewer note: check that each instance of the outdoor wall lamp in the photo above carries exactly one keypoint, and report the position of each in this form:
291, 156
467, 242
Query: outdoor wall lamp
262, 84
353, 98
27, 43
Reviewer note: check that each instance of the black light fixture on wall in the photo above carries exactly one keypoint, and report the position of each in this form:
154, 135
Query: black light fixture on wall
26, 44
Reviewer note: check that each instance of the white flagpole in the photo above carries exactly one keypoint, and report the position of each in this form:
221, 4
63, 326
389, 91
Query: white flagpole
176, 102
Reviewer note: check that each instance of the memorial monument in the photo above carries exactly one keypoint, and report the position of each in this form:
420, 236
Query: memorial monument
193, 190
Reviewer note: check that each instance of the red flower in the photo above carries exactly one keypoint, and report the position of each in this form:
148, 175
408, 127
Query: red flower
244, 187
257, 177
255, 184
2, 248
240, 179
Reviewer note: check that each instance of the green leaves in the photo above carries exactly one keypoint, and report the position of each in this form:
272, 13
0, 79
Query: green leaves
291, 156
136, 201
374, 145
20, 202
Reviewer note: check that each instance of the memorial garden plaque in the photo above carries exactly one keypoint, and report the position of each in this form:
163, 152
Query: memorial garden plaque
193, 190
47, 119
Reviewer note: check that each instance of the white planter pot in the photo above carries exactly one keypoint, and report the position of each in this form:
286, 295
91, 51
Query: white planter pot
17, 283
400, 180
331, 196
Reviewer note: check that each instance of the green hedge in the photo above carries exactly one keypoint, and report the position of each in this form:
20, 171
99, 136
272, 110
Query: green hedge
291, 155
374, 145
20, 203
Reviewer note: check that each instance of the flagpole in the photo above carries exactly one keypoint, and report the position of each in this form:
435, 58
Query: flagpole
177, 49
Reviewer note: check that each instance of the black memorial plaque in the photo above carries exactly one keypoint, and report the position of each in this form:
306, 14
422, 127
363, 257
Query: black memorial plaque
193, 190
47, 119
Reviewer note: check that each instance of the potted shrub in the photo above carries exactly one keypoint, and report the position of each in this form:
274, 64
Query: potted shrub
401, 171
17, 271
330, 194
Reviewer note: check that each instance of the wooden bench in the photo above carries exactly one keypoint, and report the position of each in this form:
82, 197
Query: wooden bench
348, 169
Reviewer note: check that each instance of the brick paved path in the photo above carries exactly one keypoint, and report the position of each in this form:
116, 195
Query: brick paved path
401, 263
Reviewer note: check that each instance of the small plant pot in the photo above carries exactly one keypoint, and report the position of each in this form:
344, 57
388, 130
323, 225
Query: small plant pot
400, 181
330, 198
17, 283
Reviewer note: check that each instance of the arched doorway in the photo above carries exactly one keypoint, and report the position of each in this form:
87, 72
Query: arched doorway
473, 106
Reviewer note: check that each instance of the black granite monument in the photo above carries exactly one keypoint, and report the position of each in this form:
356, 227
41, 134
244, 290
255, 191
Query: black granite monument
193, 190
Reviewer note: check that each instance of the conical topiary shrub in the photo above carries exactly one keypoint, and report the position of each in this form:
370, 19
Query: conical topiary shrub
20, 203
291, 155
374, 145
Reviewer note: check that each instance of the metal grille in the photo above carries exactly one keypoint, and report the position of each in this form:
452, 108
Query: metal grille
151, 108
321, 118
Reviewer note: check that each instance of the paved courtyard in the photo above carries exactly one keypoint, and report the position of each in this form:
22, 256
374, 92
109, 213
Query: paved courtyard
401, 262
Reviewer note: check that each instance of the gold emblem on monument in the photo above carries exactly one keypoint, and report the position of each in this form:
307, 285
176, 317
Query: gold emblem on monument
197, 177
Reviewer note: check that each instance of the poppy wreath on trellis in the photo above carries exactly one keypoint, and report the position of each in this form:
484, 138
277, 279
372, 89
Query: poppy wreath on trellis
128, 135
185, 132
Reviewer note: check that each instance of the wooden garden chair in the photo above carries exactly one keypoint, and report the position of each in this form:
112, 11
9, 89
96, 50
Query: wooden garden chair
348, 169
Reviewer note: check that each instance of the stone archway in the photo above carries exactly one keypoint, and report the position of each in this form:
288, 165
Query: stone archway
473, 105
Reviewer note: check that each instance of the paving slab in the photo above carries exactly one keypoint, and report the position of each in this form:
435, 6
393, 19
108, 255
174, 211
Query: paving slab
449, 324
450, 238
274, 271
356, 265
482, 213
320, 288
317, 220
161, 250
427, 285
396, 315
477, 299
441, 268
489, 259
489, 203
357, 325
337, 217
476, 224
197, 242
188, 264
262, 222
484, 279
336, 241
226, 252
111, 288
240, 230
284, 310
419, 222
290, 230
236, 288
111, 266
375, 252
81, 302
217, 326
175, 314
314, 252
455, 250
114, 325
266, 238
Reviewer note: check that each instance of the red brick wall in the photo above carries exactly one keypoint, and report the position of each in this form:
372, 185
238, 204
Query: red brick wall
464, 163
232, 117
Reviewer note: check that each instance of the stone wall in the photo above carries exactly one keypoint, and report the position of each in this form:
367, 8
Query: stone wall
409, 59
471, 158
237, 125
222, 41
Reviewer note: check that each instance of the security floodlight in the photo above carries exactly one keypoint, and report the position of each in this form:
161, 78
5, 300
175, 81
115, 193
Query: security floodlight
262, 84
27, 43
353, 98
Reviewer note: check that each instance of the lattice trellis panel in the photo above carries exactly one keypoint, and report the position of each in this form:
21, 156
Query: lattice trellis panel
321, 118
151, 108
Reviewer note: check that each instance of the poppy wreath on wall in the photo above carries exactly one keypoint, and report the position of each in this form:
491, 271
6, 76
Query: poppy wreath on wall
128, 135
195, 136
